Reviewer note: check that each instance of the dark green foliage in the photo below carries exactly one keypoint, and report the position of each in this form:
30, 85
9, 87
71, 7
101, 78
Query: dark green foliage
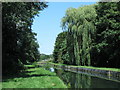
107, 41
60, 53
45, 57
18, 41
93, 36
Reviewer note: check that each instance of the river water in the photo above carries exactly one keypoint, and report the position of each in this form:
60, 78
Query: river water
81, 80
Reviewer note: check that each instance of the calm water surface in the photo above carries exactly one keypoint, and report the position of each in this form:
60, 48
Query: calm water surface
79, 80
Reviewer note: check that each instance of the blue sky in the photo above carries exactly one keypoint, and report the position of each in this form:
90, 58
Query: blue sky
47, 25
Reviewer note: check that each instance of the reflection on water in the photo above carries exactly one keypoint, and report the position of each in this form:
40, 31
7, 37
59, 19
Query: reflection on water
78, 80
83, 80
52, 69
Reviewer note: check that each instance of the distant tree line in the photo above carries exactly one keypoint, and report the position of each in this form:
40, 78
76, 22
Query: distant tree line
45, 57
19, 45
91, 36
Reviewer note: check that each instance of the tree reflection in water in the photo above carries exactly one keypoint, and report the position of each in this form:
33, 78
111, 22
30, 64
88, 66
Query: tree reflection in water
78, 80
73, 80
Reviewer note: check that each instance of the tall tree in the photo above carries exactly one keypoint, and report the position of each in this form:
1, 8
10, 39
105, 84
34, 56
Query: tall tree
107, 38
80, 27
19, 42
60, 53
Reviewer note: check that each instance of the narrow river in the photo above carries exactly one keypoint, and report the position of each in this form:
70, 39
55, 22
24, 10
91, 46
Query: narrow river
80, 80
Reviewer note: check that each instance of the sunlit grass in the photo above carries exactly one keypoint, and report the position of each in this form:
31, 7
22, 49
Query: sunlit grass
91, 67
101, 68
35, 78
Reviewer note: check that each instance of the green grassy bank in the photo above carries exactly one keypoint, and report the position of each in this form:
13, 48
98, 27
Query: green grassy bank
34, 78
100, 68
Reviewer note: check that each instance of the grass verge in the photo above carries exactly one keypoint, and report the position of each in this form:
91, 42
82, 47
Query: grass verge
34, 78
100, 68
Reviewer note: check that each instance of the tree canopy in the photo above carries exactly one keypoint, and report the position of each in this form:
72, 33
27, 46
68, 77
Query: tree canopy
19, 43
79, 25
60, 53
107, 40
92, 36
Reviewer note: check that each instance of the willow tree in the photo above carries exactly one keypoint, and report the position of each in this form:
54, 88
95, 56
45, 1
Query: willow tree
80, 27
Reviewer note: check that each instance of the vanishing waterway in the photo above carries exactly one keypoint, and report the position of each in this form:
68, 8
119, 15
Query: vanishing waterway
81, 80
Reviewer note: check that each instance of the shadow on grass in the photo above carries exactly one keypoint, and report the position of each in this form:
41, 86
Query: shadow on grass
30, 67
23, 74
36, 75
26, 76
14, 75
